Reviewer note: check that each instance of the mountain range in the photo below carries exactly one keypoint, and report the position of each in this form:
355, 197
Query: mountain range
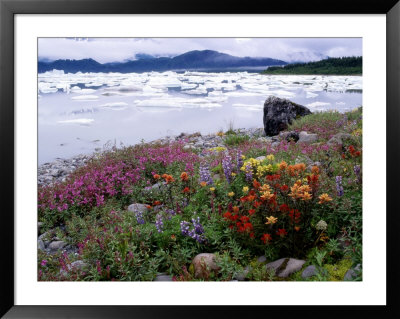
190, 61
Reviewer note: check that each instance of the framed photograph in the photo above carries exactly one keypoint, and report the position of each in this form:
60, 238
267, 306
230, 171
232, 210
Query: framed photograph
163, 159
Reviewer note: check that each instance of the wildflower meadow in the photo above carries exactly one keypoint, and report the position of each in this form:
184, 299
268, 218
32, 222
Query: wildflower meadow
262, 211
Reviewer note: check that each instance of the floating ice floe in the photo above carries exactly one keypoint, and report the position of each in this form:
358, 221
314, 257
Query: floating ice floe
310, 94
177, 103
81, 121
249, 106
201, 89
85, 91
318, 104
85, 97
115, 104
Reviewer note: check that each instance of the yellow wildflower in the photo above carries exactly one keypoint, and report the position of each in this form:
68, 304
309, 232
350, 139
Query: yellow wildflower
271, 220
233, 174
245, 189
231, 194
270, 157
212, 189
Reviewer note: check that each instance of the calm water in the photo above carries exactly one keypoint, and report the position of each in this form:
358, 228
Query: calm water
79, 113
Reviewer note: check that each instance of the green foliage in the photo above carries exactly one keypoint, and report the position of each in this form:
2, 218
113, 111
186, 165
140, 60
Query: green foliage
116, 245
334, 66
234, 140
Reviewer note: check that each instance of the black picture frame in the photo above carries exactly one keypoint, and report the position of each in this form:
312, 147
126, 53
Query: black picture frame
8, 8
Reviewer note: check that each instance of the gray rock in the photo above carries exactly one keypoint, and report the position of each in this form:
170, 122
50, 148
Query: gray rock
77, 265
163, 277
242, 275
41, 245
309, 272
303, 159
137, 208
39, 226
279, 113
188, 147
204, 264
338, 138
284, 267
261, 259
304, 137
261, 158
352, 273
275, 144
56, 245
46, 237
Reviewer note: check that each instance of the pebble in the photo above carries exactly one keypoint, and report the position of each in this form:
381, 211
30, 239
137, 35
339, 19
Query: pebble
282, 271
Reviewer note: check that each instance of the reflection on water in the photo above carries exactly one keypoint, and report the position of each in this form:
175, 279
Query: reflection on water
79, 113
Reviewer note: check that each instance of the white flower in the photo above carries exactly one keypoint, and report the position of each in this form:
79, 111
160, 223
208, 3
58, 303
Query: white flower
321, 225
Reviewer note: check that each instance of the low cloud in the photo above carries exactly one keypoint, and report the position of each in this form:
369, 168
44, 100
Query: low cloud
106, 50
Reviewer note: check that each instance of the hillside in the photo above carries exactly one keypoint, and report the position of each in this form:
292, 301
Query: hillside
192, 60
334, 66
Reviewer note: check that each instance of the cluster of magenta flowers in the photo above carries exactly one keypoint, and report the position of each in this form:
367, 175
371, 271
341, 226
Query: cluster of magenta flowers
205, 175
339, 187
227, 167
91, 187
196, 232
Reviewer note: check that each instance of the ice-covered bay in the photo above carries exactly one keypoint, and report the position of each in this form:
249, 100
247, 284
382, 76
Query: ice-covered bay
79, 113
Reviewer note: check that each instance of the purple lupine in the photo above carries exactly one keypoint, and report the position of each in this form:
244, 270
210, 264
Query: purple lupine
159, 223
205, 175
197, 233
227, 166
239, 160
357, 171
339, 187
139, 216
342, 121
249, 172
185, 228
170, 213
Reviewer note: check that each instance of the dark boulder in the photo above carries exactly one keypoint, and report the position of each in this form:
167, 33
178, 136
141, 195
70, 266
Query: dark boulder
279, 113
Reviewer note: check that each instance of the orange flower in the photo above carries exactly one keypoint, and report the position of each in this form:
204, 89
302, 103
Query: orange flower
296, 228
156, 176
203, 184
186, 190
306, 196
164, 176
315, 170
283, 165
156, 203
169, 179
235, 209
324, 198
184, 177
252, 212
256, 184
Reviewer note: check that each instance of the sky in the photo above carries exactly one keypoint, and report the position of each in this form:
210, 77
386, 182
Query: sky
106, 50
